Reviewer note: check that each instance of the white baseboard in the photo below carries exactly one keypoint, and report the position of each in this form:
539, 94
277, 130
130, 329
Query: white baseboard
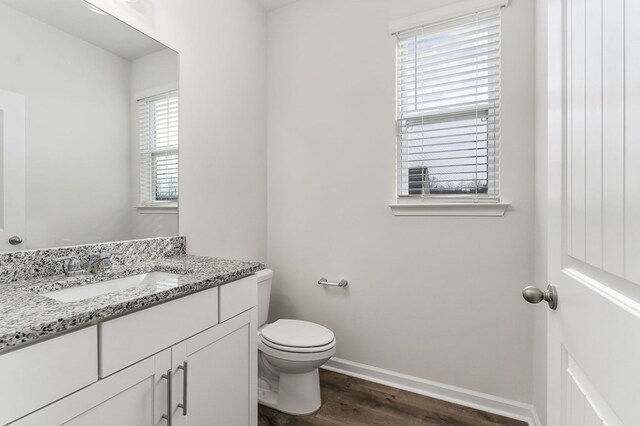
535, 420
481, 401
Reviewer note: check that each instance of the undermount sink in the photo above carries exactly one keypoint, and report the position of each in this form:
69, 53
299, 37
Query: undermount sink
159, 280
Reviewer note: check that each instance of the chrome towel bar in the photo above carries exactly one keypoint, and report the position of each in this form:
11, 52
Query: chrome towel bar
342, 283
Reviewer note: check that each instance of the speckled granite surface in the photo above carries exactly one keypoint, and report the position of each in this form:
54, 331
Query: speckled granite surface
27, 264
26, 315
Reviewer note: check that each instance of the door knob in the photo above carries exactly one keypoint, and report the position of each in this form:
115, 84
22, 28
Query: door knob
534, 295
15, 240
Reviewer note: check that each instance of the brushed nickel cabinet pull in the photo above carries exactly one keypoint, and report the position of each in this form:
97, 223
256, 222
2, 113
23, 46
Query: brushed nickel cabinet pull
185, 374
167, 416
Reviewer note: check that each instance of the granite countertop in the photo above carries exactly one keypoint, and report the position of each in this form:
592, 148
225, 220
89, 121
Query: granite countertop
26, 315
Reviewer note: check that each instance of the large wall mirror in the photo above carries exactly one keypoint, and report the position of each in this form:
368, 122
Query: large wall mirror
88, 128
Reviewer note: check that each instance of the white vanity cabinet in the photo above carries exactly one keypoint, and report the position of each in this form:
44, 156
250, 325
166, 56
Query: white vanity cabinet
169, 365
221, 376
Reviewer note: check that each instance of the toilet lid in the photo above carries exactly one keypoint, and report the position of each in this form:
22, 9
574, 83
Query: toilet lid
297, 334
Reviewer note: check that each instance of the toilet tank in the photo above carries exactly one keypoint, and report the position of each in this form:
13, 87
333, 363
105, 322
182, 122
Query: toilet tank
264, 295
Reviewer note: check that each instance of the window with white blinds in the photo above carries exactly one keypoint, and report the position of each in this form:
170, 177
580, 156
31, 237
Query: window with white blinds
158, 116
448, 112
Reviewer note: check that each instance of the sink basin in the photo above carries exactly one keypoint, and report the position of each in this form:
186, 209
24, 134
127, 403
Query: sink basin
159, 280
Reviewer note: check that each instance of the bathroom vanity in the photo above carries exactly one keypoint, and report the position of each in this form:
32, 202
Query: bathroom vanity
155, 353
115, 325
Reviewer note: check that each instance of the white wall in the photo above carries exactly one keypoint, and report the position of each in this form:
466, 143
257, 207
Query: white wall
540, 312
150, 74
77, 98
434, 297
223, 125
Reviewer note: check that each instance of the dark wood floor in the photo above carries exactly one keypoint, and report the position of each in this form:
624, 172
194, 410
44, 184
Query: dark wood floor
353, 402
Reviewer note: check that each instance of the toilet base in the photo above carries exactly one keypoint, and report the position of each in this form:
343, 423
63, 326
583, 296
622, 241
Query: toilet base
296, 394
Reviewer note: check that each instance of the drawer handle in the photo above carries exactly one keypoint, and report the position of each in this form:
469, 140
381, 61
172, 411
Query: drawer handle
167, 416
185, 374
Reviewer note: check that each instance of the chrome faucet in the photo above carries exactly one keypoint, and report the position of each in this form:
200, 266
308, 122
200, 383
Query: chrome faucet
97, 263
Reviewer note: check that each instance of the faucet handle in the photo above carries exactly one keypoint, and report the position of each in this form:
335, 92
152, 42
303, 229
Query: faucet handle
72, 265
120, 260
102, 261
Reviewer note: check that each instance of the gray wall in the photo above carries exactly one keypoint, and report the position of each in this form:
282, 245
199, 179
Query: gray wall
433, 297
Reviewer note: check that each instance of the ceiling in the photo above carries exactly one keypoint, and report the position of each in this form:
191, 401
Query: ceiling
104, 31
274, 4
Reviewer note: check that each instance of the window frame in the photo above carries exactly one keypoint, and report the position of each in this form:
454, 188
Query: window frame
449, 204
489, 107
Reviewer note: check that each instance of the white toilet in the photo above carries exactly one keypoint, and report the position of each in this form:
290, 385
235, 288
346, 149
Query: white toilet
289, 355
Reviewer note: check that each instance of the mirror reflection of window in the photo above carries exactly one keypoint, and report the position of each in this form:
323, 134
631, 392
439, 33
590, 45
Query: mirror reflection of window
158, 120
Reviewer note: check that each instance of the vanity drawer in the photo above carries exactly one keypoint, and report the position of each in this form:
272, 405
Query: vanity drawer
238, 296
130, 338
47, 371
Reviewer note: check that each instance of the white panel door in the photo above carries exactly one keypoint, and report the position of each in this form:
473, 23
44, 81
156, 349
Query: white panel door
594, 212
12, 172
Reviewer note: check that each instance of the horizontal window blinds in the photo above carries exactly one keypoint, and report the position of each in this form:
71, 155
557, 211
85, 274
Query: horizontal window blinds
448, 112
158, 117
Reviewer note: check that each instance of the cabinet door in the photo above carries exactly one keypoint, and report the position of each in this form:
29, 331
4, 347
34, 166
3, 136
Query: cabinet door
135, 396
221, 374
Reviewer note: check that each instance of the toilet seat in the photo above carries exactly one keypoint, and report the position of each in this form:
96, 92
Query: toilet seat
295, 349
296, 356
297, 335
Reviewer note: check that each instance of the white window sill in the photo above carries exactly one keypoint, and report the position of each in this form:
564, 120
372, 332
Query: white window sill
449, 209
160, 209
